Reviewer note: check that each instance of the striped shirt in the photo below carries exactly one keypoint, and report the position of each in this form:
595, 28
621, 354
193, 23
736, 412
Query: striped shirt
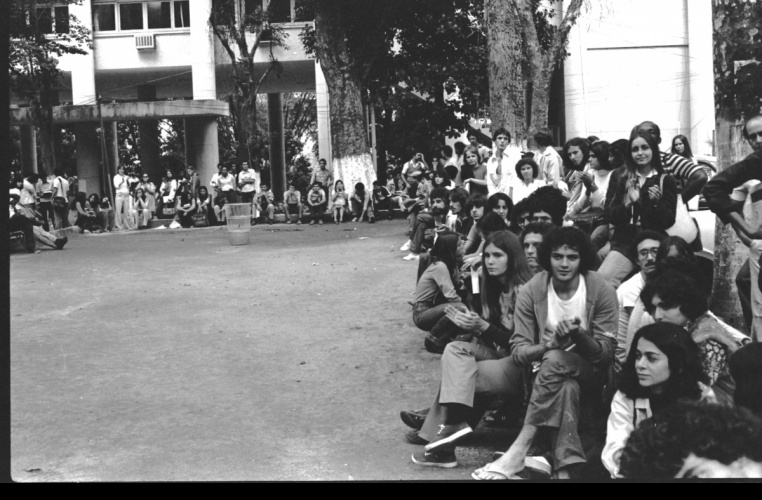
681, 168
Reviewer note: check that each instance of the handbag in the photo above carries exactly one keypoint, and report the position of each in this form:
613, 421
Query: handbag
684, 226
60, 201
200, 220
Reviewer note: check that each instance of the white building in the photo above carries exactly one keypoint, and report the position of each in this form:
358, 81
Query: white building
145, 52
637, 60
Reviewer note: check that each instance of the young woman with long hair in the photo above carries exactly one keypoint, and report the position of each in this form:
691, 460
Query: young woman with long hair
663, 367
473, 173
474, 370
644, 198
681, 146
86, 217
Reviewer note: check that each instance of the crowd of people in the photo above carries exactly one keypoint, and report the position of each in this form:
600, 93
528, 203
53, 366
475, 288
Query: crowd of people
565, 298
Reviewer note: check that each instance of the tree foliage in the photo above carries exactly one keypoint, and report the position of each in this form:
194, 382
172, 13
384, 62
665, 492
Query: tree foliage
33, 62
738, 57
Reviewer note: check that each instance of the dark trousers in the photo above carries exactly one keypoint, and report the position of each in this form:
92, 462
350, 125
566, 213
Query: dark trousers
423, 222
20, 223
743, 285
316, 211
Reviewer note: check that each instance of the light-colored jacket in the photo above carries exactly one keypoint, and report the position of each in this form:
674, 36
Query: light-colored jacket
626, 415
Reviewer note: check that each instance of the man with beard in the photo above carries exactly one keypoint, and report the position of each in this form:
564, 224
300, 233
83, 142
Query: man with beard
428, 222
646, 245
531, 239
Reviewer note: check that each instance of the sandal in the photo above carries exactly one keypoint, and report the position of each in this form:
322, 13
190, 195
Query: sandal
484, 474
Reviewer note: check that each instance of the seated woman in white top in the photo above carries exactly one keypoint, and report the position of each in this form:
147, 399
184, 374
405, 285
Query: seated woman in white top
663, 366
527, 180
592, 196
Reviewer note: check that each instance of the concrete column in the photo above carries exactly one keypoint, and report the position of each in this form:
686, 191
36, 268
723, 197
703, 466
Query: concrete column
28, 149
277, 145
149, 148
323, 115
112, 155
88, 158
202, 48
574, 83
701, 81
83, 73
201, 146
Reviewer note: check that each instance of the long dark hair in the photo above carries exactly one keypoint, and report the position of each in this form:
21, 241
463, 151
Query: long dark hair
601, 149
684, 363
444, 250
517, 273
688, 153
583, 146
80, 198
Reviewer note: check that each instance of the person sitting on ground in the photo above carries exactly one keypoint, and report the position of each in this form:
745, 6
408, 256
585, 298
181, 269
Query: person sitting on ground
565, 321
104, 218
166, 197
86, 217
362, 204
143, 212
441, 179
459, 220
746, 368
382, 199
663, 367
477, 207
185, 205
428, 222
438, 285
527, 180
548, 205
292, 203
203, 202
266, 199
576, 155
340, 202
695, 440
413, 203
590, 205
18, 220
501, 204
676, 297
317, 202
474, 371
490, 223
531, 240
646, 248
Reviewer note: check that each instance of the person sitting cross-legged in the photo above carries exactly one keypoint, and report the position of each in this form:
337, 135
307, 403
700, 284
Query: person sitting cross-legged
474, 371
427, 222
565, 324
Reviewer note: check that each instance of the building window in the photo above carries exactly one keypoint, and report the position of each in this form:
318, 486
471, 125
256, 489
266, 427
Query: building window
104, 17
280, 10
130, 16
62, 19
159, 15
182, 15
44, 21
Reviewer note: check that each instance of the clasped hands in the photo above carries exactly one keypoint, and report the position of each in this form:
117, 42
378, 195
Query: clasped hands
564, 331
465, 319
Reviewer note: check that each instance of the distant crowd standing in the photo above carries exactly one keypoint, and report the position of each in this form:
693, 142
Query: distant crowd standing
565, 298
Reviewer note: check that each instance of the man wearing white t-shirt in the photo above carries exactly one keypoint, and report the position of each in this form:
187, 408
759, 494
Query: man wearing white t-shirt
646, 244
502, 164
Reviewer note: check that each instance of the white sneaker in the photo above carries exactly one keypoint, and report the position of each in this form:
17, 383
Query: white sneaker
412, 256
406, 246
538, 464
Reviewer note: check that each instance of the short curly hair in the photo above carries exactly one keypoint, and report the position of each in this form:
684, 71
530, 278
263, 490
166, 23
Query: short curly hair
550, 200
675, 286
659, 446
572, 237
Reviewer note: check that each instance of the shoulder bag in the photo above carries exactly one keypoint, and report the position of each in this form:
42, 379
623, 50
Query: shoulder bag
684, 226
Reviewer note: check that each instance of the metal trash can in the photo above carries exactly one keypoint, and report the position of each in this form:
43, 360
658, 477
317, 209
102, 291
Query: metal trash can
238, 217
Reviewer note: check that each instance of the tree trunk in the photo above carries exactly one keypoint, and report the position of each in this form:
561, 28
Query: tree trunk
729, 252
351, 160
504, 22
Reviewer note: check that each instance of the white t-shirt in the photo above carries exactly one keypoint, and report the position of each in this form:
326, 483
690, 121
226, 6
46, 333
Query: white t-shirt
559, 309
507, 161
628, 292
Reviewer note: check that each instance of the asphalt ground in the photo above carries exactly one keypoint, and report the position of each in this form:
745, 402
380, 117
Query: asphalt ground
169, 355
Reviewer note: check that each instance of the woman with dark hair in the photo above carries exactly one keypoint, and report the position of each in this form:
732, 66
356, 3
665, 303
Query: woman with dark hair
86, 217
596, 183
104, 218
681, 147
527, 180
185, 205
663, 367
142, 211
362, 204
475, 242
436, 287
149, 188
166, 195
644, 198
674, 246
502, 205
575, 155
675, 297
204, 205
474, 371
442, 179
473, 173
